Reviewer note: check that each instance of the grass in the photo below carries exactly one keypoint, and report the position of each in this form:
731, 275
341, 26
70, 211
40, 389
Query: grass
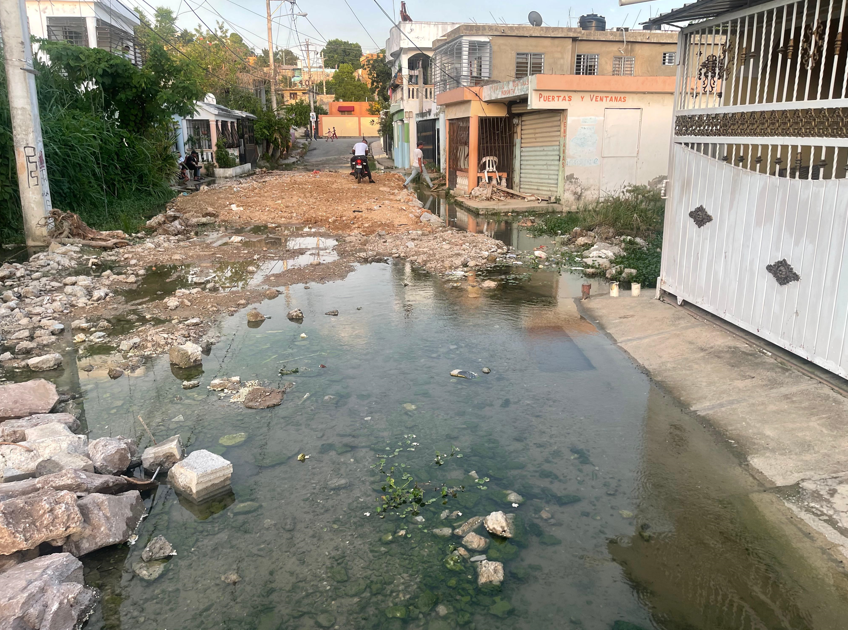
636, 211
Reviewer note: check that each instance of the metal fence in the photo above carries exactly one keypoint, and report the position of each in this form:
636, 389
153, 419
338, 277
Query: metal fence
496, 140
458, 132
462, 62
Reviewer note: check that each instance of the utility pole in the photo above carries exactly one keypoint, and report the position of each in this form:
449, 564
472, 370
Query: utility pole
271, 60
309, 86
26, 122
323, 74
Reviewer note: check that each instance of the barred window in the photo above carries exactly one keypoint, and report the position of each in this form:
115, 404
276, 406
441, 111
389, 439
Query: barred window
527, 64
70, 30
623, 66
669, 58
586, 64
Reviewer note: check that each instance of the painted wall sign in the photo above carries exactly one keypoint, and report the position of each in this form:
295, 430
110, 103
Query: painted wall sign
516, 87
555, 100
584, 144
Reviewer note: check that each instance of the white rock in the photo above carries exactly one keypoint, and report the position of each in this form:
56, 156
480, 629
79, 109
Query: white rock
489, 572
201, 475
45, 362
499, 524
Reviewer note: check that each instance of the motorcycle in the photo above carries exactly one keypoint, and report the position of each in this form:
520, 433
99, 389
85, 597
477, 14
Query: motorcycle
359, 168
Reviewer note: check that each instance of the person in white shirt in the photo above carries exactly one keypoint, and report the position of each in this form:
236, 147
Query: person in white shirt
418, 167
361, 149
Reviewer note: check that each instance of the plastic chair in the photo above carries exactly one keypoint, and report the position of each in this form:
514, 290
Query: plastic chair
490, 164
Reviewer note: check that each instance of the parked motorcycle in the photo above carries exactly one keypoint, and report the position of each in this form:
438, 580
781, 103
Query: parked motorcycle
359, 168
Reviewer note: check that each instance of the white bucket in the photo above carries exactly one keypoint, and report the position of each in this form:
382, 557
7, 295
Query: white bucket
613, 289
635, 289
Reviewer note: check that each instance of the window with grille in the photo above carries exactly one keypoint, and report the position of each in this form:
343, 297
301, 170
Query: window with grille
70, 30
623, 66
461, 62
669, 58
586, 64
527, 64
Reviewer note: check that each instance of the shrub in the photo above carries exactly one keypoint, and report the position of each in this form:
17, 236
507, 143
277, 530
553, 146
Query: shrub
223, 158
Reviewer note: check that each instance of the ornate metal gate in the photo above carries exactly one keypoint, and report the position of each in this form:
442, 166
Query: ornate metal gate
757, 216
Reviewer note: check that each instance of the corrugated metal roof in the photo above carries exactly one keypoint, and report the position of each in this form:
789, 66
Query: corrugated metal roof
702, 10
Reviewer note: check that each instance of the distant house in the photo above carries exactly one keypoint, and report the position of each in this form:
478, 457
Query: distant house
90, 23
211, 121
352, 120
756, 220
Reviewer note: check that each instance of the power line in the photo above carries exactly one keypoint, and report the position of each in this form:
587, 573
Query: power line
313, 26
223, 43
265, 17
232, 25
361, 24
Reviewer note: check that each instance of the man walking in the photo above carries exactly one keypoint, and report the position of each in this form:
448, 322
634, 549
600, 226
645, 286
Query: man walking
418, 166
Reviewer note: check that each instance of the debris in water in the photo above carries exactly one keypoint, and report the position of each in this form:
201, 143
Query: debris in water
231, 578
333, 313
463, 374
302, 457
322, 366
486, 370
240, 395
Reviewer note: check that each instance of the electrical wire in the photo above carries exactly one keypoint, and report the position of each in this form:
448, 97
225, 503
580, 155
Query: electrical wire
264, 17
223, 43
361, 24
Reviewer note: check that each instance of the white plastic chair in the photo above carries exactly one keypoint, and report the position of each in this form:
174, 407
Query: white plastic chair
490, 164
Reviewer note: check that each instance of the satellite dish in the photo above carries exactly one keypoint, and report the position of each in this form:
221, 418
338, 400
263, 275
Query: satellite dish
535, 18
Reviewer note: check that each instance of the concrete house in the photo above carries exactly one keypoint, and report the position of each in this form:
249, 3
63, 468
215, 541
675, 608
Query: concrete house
90, 23
564, 113
757, 214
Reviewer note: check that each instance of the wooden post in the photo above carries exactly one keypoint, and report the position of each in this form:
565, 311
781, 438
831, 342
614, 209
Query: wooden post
473, 158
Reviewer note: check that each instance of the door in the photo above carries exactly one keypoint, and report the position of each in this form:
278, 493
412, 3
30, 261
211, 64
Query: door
427, 135
539, 159
620, 149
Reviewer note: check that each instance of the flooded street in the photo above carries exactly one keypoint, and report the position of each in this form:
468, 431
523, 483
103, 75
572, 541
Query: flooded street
630, 515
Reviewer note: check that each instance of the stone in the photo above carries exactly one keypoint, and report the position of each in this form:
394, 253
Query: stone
499, 524
263, 398
115, 373
111, 455
129, 344
163, 455
45, 362
270, 294
201, 475
15, 430
255, 316
233, 439
332, 313
475, 542
486, 370
149, 570
325, 620
442, 532
21, 335
296, 315
28, 521
47, 593
231, 578
158, 549
186, 356
25, 347
6, 356
545, 515
75, 481
107, 520
489, 572
489, 284
469, 526
190, 384
514, 497
63, 461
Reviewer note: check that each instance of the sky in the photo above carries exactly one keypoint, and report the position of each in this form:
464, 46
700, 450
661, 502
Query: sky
335, 19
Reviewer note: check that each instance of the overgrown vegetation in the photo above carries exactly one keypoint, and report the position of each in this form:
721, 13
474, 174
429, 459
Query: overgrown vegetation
223, 158
636, 211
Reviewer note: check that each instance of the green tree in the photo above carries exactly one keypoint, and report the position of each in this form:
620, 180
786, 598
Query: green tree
338, 52
282, 57
298, 113
347, 87
380, 75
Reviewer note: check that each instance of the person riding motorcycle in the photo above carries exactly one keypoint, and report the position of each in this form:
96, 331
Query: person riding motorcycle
360, 149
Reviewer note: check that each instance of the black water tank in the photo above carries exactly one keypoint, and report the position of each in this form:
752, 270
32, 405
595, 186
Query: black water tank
593, 22
652, 27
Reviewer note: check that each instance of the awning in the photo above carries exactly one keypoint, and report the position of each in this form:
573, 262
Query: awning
346, 108
701, 10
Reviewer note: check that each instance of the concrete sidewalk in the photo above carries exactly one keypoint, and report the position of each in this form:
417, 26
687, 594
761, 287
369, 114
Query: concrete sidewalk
790, 428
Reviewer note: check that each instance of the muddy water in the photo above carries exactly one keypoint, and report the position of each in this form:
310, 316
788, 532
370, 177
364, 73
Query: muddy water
632, 513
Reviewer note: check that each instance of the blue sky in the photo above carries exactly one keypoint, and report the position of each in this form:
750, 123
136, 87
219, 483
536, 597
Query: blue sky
334, 19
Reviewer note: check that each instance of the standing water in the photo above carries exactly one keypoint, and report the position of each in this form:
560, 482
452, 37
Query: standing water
629, 516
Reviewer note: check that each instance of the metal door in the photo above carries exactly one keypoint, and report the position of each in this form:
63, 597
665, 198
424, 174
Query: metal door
620, 149
539, 159
427, 134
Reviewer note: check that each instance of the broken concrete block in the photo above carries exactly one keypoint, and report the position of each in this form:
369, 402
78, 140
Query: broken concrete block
63, 461
46, 592
201, 475
19, 400
107, 520
111, 455
15, 430
28, 521
186, 356
163, 455
76, 481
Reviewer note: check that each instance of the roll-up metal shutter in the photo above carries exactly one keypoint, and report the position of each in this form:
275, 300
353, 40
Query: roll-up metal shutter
540, 148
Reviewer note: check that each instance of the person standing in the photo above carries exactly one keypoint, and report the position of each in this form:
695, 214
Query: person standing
418, 166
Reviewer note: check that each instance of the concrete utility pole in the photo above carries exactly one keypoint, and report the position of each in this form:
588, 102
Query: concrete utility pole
309, 86
271, 60
26, 123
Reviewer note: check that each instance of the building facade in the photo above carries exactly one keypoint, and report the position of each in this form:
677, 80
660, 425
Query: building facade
562, 113
200, 132
90, 23
350, 120
757, 215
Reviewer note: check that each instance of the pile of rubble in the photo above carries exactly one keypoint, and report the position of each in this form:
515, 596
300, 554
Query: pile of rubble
65, 496
599, 250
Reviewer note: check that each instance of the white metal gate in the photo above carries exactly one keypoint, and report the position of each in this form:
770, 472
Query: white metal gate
757, 217
539, 157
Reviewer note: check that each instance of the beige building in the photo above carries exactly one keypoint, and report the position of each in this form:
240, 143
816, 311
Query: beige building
564, 113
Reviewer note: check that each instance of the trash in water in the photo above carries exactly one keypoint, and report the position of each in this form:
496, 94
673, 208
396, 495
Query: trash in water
463, 374
302, 457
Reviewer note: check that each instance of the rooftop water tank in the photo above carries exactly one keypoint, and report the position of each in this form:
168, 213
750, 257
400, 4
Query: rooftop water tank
593, 22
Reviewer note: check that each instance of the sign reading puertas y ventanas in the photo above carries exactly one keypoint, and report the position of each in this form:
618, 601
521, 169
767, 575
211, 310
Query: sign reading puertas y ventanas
559, 100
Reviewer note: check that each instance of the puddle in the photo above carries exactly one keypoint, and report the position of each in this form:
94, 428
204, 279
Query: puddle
310, 242
631, 511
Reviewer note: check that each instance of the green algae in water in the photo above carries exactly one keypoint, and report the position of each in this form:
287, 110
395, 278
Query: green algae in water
233, 439
396, 612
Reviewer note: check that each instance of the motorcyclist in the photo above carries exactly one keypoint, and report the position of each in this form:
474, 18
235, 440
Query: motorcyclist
360, 149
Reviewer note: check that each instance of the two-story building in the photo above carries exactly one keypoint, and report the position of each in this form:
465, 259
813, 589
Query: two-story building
412, 93
90, 23
564, 113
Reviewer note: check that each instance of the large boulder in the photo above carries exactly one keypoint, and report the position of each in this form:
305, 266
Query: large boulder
63, 461
107, 520
76, 481
186, 356
15, 430
112, 455
30, 520
45, 362
163, 455
46, 593
201, 475
18, 400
